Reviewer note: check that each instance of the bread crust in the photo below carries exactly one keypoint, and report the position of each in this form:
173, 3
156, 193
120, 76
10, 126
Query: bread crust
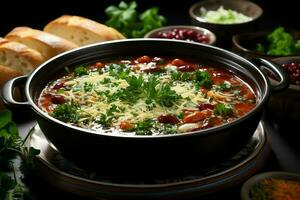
98, 31
47, 44
13, 54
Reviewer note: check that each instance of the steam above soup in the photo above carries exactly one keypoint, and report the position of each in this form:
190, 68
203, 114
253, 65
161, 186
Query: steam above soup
147, 96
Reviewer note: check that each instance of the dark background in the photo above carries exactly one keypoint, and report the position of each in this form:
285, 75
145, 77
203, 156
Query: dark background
36, 14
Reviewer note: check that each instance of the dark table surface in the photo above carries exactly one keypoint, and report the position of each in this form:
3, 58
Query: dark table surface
285, 148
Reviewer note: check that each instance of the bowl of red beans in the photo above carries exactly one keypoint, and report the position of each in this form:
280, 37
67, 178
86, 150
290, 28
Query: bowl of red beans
286, 105
186, 33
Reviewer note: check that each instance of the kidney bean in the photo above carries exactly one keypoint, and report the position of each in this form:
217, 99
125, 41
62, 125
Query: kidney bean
58, 85
184, 34
177, 62
168, 119
143, 59
294, 72
204, 106
57, 99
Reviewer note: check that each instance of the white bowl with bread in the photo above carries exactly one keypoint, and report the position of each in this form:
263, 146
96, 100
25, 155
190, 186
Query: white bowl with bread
23, 49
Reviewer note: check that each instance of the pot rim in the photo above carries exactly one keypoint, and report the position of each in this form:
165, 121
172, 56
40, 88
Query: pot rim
213, 130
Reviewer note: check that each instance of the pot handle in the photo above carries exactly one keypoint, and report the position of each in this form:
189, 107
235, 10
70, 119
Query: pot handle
8, 90
277, 71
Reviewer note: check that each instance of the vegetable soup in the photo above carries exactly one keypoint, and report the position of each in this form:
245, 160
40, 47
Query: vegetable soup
147, 96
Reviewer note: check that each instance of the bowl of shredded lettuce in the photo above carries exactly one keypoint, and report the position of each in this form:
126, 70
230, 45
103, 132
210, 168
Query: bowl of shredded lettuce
277, 42
225, 17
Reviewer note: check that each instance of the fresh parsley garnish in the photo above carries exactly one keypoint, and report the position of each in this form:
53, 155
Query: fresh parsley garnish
203, 79
88, 87
126, 19
80, 70
181, 76
11, 146
144, 127
224, 87
279, 43
166, 96
10, 141
67, 112
223, 110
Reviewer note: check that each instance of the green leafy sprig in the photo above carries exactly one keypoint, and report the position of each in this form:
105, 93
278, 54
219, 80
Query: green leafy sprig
132, 24
11, 146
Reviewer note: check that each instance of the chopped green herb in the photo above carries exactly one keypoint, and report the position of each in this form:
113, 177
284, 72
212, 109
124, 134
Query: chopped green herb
67, 112
134, 82
80, 70
203, 79
280, 43
119, 71
181, 76
166, 96
88, 87
181, 115
168, 129
224, 87
144, 127
223, 110
105, 81
150, 88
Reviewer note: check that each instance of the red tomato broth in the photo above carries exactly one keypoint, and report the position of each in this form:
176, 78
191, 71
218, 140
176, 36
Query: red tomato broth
213, 112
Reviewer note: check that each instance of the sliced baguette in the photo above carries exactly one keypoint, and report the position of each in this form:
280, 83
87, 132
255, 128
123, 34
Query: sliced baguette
81, 31
47, 44
18, 56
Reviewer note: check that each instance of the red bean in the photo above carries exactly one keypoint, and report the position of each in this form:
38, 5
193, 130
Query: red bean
144, 59
204, 106
58, 85
177, 62
184, 34
294, 71
168, 119
57, 99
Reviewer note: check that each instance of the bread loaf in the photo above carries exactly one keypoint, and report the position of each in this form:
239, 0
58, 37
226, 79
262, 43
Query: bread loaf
18, 56
81, 31
47, 44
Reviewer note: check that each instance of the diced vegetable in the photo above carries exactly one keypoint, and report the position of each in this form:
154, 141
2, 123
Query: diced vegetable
224, 16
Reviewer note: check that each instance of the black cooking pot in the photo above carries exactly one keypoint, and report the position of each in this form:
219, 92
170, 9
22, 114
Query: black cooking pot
150, 154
